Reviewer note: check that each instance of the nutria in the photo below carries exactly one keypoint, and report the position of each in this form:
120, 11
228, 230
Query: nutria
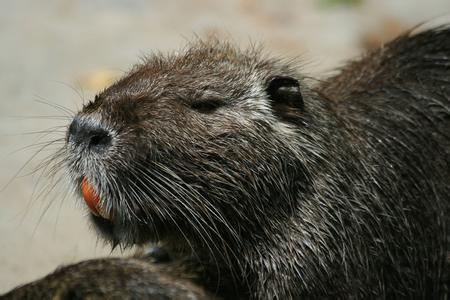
114, 278
273, 186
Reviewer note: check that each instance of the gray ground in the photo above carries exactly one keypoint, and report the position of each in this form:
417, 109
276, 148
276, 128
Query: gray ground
63, 51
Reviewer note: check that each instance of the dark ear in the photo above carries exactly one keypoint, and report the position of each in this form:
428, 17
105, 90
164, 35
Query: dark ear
285, 93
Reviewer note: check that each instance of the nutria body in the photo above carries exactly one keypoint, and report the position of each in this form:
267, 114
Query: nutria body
114, 278
274, 187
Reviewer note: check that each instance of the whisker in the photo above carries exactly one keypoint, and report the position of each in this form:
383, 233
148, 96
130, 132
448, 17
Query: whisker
44, 192
79, 93
37, 145
27, 162
50, 130
68, 112
198, 226
41, 117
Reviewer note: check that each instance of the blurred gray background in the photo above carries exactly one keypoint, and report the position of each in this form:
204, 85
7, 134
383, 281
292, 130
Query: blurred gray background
63, 51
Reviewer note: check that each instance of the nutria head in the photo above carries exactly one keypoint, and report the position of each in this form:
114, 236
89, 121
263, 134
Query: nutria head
208, 144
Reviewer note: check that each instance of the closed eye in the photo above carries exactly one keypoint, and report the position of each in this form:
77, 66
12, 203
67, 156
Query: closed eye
207, 106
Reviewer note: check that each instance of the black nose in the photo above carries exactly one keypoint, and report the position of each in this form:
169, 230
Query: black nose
89, 134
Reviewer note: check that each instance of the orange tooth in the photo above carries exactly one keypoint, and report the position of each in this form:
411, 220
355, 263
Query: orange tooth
90, 196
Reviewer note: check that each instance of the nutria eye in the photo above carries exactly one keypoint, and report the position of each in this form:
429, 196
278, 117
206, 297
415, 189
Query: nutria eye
207, 106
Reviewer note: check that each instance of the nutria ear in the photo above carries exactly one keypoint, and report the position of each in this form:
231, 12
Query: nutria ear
285, 93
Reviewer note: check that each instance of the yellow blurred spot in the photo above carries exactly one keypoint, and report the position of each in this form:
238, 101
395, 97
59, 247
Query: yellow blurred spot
98, 79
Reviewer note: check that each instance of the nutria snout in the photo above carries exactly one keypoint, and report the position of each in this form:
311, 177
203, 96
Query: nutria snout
85, 134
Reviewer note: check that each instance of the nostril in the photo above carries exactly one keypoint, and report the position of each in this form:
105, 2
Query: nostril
100, 139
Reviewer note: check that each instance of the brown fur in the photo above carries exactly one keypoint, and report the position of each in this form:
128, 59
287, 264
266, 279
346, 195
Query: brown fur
267, 186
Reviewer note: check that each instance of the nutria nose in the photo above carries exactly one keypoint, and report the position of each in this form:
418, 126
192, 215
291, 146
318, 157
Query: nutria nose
88, 134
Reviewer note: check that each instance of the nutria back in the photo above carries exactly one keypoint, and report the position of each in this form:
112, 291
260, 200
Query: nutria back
271, 187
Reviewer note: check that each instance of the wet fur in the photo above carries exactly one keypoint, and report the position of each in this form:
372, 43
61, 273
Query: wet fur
113, 278
345, 197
